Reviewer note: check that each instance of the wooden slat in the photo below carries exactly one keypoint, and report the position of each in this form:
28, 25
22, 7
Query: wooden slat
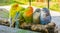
4, 29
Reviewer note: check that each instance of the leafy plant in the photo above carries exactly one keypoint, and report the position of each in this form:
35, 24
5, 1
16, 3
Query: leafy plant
55, 7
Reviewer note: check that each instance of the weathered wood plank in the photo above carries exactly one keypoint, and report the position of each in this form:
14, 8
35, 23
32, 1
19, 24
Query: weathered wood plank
5, 29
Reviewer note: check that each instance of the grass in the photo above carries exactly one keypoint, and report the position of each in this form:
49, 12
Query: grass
54, 7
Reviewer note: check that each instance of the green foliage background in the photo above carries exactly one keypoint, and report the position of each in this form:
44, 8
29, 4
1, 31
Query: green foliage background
55, 6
